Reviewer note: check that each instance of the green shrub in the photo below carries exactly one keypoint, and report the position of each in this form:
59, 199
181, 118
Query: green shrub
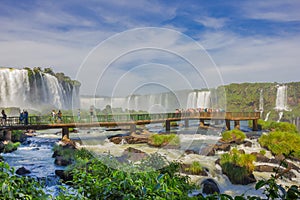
233, 135
194, 168
281, 142
164, 139
263, 152
238, 159
10, 147
277, 126
17, 136
97, 180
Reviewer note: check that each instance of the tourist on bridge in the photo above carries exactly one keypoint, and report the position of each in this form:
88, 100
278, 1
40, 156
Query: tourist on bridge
78, 115
4, 118
53, 116
21, 118
25, 115
59, 116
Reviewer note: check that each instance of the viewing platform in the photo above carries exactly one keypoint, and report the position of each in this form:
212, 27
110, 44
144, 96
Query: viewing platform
131, 120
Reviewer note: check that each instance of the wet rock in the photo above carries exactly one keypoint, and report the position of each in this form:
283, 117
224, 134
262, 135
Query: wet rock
190, 151
133, 154
284, 172
210, 186
264, 168
61, 161
248, 144
260, 157
222, 147
22, 171
129, 139
63, 175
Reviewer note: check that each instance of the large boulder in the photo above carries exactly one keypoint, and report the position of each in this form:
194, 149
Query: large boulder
22, 171
210, 186
61, 161
63, 175
2, 146
133, 154
129, 139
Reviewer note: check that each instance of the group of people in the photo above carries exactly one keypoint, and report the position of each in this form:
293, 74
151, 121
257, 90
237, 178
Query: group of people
198, 110
24, 117
56, 117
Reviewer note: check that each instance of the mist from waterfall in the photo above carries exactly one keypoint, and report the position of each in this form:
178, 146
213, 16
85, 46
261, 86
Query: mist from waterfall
35, 91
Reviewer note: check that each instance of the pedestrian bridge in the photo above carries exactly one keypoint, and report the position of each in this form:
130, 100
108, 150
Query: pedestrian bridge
131, 120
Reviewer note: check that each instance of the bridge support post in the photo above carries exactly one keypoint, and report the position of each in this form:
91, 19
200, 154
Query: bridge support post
132, 128
7, 135
186, 123
168, 125
255, 125
237, 124
201, 123
65, 132
227, 122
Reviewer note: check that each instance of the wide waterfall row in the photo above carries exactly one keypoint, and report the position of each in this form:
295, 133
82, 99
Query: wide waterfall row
199, 99
36, 90
153, 103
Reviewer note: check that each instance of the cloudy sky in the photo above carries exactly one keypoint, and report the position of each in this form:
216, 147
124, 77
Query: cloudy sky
122, 47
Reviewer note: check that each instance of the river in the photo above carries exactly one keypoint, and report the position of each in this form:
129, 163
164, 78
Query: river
36, 154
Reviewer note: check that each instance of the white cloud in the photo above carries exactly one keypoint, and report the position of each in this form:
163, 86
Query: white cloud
212, 22
276, 10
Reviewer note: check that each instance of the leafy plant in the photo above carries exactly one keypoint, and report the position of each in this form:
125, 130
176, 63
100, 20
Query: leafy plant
233, 135
164, 139
10, 147
16, 187
194, 168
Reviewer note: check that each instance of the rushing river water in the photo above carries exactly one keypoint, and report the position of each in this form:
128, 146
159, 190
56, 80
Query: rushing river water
36, 154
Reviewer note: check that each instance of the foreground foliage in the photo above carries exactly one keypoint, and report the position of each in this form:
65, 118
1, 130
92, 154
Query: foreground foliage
96, 180
16, 187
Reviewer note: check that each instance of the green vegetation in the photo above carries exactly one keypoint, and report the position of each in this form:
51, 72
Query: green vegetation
10, 147
164, 139
237, 165
277, 126
17, 136
16, 187
263, 152
96, 180
233, 135
194, 168
281, 142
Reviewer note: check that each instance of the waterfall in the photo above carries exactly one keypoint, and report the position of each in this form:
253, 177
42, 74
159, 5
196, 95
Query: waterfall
261, 102
36, 90
203, 100
267, 116
281, 98
191, 100
280, 116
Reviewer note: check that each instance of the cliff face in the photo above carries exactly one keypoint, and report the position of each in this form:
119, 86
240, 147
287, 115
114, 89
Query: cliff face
249, 96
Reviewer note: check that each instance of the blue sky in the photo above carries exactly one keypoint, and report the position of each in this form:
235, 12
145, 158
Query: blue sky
246, 41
